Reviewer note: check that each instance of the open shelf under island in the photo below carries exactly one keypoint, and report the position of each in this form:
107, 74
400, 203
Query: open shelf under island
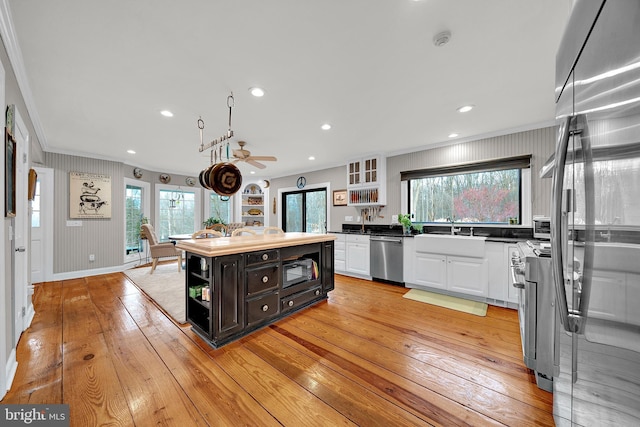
236, 285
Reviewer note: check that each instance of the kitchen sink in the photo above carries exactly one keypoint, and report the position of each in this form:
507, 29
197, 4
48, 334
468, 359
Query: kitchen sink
470, 246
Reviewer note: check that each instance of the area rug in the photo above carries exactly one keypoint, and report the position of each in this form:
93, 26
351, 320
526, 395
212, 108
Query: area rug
165, 286
446, 301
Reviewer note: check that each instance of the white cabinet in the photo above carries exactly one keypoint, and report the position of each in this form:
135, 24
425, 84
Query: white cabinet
366, 181
357, 255
252, 205
467, 275
464, 275
499, 276
340, 254
430, 270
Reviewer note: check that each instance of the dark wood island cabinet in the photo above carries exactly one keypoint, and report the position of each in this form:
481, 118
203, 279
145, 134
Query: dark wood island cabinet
236, 285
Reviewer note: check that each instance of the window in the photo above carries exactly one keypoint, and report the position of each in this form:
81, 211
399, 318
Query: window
35, 207
177, 211
137, 205
487, 192
218, 207
133, 219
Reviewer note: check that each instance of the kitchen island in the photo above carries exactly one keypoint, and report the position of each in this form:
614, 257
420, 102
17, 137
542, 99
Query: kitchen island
236, 285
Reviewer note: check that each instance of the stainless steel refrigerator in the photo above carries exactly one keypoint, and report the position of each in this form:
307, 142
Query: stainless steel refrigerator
596, 216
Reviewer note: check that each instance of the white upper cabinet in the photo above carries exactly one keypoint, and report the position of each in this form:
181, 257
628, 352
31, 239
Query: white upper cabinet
367, 180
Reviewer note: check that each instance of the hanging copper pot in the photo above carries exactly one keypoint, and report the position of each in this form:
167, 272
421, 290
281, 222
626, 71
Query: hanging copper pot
225, 179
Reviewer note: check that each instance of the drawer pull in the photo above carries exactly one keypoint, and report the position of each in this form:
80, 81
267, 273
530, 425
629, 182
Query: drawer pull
265, 279
290, 303
265, 307
317, 292
265, 257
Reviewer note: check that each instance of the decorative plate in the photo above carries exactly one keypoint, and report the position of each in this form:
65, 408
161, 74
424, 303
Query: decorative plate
137, 172
165, 178
190, 181
302, 181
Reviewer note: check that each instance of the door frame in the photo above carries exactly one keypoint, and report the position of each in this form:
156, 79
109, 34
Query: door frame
46, 178
146, 211
325, 185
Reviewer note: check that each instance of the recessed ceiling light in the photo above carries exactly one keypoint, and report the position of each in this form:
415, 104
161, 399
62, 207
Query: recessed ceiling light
311, 158
453, 135
325, 126
465, 108
252, 172
256, 91
166, 113
131, 151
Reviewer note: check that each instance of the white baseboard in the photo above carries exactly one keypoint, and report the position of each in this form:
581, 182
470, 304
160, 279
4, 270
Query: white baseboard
84, 273
10, 370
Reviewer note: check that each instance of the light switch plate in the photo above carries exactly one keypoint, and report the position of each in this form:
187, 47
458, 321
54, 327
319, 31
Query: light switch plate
74, 223
394, 219
348, 218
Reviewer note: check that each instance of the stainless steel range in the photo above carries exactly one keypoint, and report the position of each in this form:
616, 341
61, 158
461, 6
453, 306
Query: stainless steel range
531, 273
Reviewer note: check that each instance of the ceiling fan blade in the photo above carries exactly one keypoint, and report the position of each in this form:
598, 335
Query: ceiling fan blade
256, 164
265, 158
241, 154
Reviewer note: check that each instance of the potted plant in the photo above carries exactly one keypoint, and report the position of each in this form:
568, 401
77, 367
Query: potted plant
405, 220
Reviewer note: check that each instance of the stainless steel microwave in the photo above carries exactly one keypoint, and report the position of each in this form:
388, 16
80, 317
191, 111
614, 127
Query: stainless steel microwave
542, 227
297, 271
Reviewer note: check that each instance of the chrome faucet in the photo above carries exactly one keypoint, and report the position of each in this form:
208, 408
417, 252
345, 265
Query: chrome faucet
454, 230
607, 235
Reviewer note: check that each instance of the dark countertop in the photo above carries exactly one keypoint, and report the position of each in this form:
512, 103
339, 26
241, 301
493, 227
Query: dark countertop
506, 234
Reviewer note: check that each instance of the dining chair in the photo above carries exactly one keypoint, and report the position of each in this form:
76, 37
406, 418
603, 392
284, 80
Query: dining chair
233, 226
207, 234
218, 227
273, 230
241, 231
160, 249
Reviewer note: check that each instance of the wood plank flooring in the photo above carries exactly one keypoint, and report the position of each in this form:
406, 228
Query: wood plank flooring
365, 357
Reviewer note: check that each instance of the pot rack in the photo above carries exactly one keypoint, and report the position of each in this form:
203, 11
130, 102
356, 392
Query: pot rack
218, 142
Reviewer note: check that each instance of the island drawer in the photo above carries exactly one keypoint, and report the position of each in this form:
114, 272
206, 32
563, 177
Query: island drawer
296, 300
262, 308
261, 257
262, 279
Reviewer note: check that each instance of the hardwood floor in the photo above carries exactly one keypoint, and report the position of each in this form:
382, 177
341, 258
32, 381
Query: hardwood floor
365, 357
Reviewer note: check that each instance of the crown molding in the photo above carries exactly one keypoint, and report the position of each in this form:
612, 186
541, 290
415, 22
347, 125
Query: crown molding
10, 39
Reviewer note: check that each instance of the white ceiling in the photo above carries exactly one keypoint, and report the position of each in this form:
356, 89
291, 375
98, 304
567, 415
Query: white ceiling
101, 71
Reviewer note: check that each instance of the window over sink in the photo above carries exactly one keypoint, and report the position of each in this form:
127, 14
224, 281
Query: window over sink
490, 192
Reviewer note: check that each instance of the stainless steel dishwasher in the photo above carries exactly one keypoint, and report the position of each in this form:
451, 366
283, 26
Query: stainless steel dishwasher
386, 258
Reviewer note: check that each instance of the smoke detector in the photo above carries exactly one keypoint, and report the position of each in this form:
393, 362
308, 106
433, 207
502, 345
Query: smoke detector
442, 38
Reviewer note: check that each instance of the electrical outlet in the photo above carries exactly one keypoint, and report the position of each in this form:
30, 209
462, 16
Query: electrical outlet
92, 257
394, 219
348, 218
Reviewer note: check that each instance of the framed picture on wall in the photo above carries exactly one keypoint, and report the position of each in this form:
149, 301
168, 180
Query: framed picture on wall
9, 175
340, 198
89, 195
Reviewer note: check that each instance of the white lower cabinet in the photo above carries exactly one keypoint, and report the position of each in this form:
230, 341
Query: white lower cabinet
467, 275
357, 255
340, 255
452, 273
500, 281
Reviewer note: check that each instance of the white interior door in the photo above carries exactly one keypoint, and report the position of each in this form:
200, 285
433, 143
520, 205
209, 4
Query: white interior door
42, 228
23, 307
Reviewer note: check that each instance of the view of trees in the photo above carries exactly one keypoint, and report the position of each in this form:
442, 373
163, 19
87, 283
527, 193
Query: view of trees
133, 218
177, 217
485, 197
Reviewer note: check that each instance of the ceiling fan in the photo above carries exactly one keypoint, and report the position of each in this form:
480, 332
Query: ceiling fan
243, 155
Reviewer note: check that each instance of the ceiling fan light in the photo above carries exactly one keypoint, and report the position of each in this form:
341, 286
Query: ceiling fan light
256, 91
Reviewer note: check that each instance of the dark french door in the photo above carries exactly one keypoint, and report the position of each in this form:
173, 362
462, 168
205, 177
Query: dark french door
305, 211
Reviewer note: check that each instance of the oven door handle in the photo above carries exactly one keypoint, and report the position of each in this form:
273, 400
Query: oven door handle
516, 283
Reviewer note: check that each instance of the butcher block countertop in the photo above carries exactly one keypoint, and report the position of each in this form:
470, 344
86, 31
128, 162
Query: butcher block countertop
242, 244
